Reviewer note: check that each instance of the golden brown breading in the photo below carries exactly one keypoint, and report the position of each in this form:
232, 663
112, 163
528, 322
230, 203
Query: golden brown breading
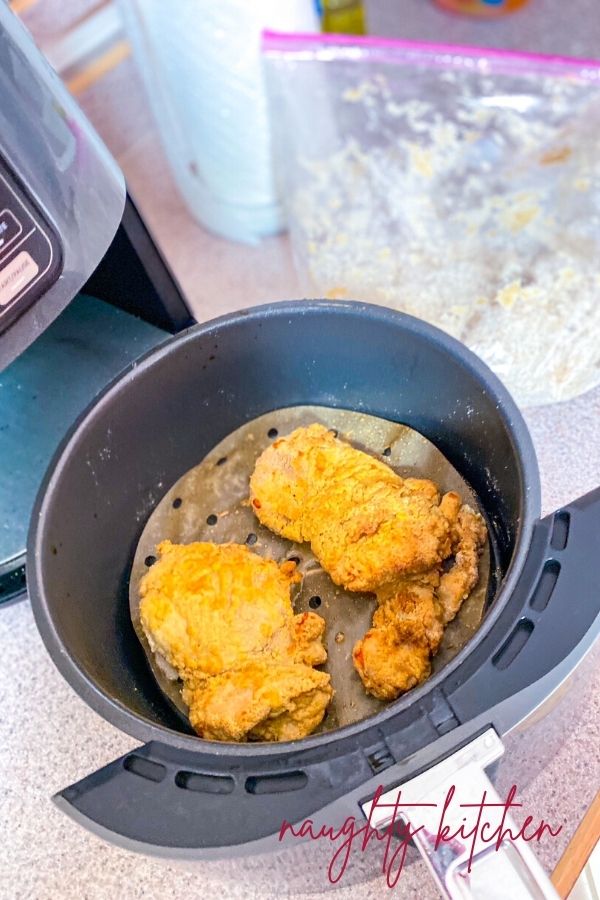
412, 605
468, 537
394, 655
372, 530
262, 700
389, 662
216, 611
408, 624
207, 607
366, 525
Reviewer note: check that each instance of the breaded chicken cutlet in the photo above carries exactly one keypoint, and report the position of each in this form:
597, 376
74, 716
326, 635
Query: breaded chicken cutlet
365, 524
374, 531
412, 613
221, 616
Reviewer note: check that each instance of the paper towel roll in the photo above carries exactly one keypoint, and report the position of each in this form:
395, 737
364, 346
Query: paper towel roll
202, 69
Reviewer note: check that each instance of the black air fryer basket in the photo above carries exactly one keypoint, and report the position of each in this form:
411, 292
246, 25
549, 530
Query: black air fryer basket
179, 795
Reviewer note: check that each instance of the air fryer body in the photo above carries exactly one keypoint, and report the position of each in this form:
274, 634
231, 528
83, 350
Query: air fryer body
68, 232
61, 193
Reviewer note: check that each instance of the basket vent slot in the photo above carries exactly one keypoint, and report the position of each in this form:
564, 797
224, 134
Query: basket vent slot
145, 768
513, 645
560, 530
276, 784
545, 586
205, 784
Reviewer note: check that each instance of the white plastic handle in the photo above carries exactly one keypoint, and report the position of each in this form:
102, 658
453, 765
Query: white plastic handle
475, 863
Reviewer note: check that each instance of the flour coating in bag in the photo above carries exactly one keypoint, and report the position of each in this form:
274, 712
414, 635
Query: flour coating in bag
463, 191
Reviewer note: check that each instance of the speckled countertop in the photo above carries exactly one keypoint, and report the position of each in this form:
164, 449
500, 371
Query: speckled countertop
50, 738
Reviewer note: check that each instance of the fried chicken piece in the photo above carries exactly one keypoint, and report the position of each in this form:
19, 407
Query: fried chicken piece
372, 530
468, 537
395, 654
411, 605
214, 612
207, 607
408, 624
365, 524
262, 700
390, 662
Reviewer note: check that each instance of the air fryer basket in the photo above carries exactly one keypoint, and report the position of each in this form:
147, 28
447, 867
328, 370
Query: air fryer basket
155, 423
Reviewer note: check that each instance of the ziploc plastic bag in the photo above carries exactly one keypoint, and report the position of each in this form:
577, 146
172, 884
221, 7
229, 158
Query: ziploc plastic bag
457, 184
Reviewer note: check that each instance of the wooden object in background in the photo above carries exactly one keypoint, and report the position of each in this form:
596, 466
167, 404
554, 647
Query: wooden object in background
21, 6
95, 70
579, 850
89, 48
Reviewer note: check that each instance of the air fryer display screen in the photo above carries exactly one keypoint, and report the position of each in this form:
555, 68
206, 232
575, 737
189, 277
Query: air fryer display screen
30, 251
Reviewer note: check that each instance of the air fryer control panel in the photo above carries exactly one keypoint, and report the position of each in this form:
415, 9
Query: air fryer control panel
30, 250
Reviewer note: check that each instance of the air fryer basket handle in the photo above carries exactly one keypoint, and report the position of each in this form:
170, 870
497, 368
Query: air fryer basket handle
465, 864
555, 604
